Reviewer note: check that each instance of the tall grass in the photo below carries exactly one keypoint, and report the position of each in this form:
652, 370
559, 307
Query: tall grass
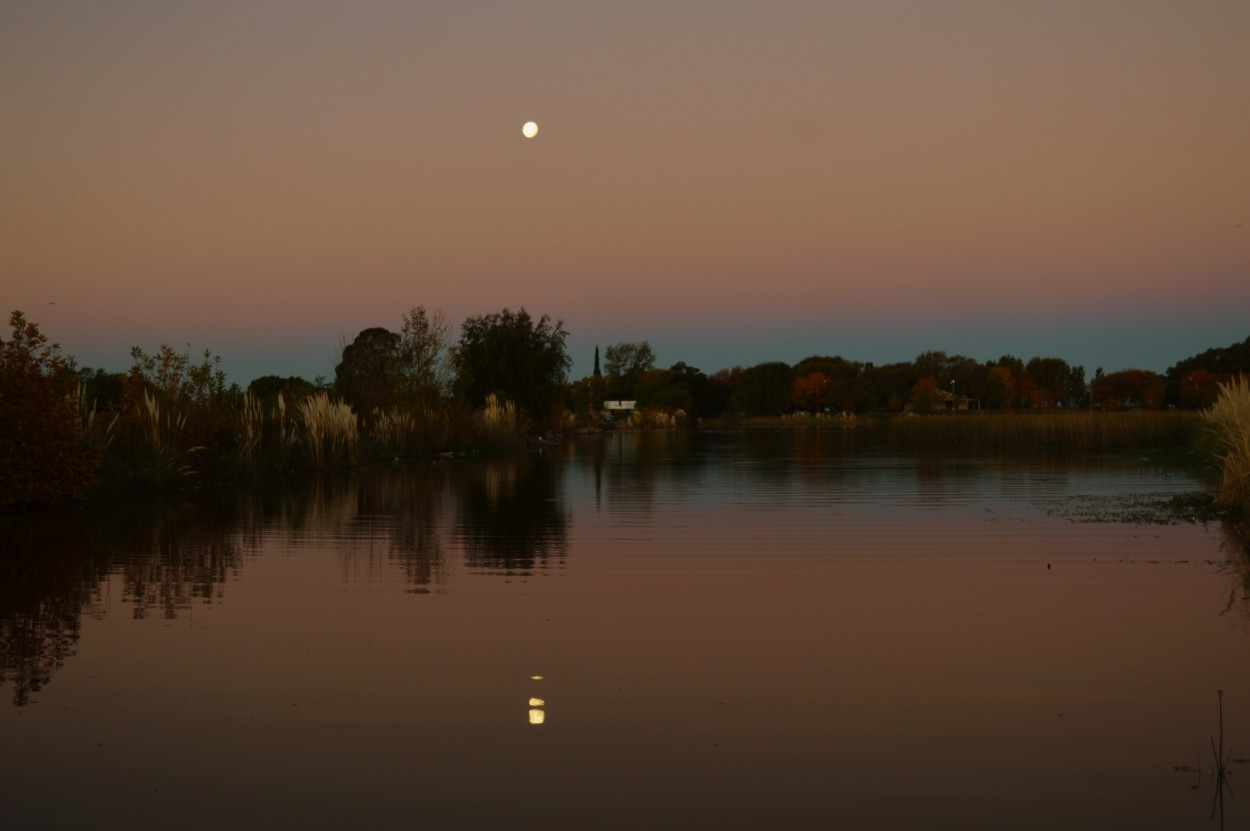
87, 426
1067, 430
163, 432
248, 421
655, 418
1229, 420
498, 424
330, 433
395, 431
841, 420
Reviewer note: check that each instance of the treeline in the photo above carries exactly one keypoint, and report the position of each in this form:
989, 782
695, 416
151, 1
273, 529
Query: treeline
934, 381
66, 431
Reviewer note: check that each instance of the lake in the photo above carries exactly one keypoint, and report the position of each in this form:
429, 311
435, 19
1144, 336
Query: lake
789, 629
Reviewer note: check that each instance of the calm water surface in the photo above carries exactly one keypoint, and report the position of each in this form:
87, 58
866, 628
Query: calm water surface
760, 630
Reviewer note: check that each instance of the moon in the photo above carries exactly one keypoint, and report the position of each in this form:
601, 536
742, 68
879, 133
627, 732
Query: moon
529, 129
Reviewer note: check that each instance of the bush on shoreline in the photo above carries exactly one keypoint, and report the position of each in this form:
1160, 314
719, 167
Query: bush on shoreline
1229, 421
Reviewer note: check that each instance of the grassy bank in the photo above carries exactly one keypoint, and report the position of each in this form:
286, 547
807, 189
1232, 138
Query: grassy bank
1068, 430
1229, 422
1065, 430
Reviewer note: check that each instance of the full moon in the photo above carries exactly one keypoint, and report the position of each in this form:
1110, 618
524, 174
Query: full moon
529, 130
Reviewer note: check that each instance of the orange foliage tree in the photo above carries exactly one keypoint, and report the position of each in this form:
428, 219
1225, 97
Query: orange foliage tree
1129, 388
924, 395
44, 455
810, 391
1200, 388
1001, 388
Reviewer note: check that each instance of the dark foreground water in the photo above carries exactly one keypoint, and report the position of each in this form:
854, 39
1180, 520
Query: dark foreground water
763, 630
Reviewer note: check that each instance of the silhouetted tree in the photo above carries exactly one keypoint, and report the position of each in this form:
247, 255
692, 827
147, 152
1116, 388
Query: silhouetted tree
845, 389
43, 455
369, 375
625, 364
888, 386
810, 391
764, 389
1129, 388
925, 394
1050, 378
422, 353
510, 354
1001, 387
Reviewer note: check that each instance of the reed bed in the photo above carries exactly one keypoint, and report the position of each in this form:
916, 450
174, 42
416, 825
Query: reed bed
330, 432
656, 419
395, 431
497, 422
248, 422
1133, 429
1229, 421
841, 420
163, 432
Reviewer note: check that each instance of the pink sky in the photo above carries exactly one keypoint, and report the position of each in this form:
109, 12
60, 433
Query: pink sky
735, 182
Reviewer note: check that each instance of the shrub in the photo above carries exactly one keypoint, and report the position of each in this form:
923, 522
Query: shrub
1229, 420
46, 447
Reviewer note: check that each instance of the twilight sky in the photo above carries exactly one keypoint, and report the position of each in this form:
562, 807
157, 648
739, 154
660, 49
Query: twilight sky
733, 181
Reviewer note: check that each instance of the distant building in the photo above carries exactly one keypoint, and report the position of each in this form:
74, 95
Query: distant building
956, 403
612, 408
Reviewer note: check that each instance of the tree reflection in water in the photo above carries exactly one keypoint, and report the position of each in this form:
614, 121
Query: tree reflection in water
505, 516
44, 591
511, 516
167, 554
403, 508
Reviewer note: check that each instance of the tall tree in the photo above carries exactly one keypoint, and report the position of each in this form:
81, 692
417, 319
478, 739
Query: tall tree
625, 364
1001, 387
422, 354
511, 354
369, 375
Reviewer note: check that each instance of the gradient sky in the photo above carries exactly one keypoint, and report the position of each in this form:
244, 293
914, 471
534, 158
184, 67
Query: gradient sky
735, 182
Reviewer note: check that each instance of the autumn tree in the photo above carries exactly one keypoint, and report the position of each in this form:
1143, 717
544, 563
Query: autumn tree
44, 455
1129, 388
1000, 387
810, 391
1050, 378
1199, 388
925, 394
845, 389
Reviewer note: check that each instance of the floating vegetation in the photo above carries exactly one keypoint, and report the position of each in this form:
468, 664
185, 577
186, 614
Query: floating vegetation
1142, 508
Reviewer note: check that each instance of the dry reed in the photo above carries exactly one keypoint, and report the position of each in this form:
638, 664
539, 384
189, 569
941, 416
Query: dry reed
248, 420
498, 423
330, 432
395, 431
1229, 420
163, 432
